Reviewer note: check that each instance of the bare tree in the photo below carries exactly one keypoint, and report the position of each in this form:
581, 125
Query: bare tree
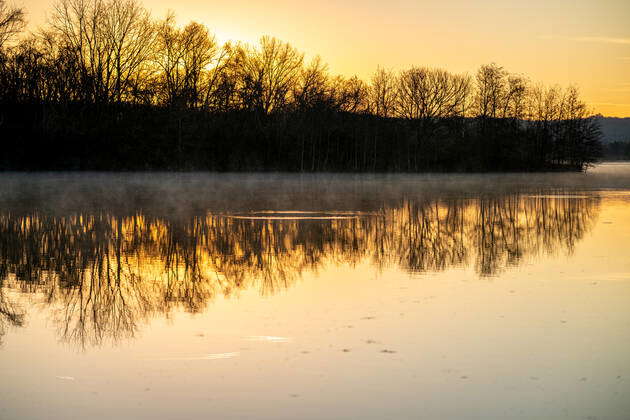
77, 24
491, 85
61, 70
312, 89
424, 93
515, 97
269, 73
200, 50
351, 95
572, 107
168, 57
129, 35
183, 57
111, 40
222, 80
544, 103
11, 22
383, 93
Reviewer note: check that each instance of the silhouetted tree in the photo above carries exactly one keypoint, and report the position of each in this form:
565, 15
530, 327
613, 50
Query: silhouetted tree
490, 94
182, 56
11, 22
425, 93
312, 91
268, 74
111, 39
383, 93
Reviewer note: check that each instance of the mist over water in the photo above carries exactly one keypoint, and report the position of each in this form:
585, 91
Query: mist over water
508, 293
189, 192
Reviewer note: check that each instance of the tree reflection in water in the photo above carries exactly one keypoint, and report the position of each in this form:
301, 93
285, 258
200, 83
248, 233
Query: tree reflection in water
104, 274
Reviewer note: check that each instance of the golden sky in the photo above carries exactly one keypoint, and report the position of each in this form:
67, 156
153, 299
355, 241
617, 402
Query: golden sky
581, 42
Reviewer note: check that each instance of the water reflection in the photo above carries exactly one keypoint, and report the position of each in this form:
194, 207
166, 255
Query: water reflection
11, 315
103, 274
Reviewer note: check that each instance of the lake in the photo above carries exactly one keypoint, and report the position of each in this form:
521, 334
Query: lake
251, 296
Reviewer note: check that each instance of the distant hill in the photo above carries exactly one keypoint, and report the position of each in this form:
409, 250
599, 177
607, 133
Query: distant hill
615, 129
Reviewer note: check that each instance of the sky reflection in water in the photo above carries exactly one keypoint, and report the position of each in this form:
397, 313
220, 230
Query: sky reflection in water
311, 297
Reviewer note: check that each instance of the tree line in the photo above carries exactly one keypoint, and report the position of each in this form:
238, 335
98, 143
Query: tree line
617, 150
103, 85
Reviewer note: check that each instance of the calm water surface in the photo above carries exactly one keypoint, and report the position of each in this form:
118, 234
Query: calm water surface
194, 296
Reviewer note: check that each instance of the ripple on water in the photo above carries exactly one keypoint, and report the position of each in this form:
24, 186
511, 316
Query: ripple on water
298, 215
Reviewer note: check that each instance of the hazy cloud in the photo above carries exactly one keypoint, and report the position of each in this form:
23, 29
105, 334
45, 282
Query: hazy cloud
603, 40
597, 39
619, 87
608, 104
623, 89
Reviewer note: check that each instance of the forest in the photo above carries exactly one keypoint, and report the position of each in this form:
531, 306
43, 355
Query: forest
103, 85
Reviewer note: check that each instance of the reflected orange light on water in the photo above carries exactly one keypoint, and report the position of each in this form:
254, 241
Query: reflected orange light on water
375, 296
108, 275
546, 336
